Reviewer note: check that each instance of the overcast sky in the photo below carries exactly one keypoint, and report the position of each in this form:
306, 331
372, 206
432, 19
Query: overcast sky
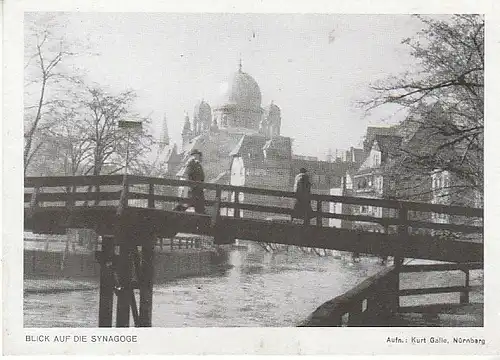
314, 67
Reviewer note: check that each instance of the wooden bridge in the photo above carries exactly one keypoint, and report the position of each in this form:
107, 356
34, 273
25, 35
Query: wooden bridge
131, 212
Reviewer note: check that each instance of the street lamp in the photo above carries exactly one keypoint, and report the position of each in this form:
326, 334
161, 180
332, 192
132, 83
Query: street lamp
128, 126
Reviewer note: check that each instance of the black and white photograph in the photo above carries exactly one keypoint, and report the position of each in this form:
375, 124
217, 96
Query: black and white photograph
201, 170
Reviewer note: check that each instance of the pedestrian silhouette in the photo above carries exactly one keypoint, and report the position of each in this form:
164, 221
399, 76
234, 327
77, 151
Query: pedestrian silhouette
193, 171
302, 189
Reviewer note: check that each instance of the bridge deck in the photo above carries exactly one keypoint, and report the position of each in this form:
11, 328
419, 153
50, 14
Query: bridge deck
136, 221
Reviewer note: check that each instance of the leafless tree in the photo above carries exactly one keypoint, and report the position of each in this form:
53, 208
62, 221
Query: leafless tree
47, 82
445, 96
106, 144
72, 142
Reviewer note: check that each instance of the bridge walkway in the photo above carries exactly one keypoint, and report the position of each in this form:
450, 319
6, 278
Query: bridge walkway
131, 212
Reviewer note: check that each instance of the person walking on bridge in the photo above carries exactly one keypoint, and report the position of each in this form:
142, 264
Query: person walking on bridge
193, 171
302, 189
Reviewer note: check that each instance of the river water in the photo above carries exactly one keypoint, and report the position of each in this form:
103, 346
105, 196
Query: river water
259, 289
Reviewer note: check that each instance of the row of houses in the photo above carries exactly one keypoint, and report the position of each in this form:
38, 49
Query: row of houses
398, 164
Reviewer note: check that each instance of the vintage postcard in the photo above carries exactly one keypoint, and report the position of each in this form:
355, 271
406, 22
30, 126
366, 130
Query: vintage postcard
299, 178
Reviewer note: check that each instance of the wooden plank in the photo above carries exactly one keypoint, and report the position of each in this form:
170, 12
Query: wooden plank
77, 196
410, 205
52, 181
435, 248
165, 198
256, 208
436, 290
395, 221
53, 220
359, 218
441, 267
443, 308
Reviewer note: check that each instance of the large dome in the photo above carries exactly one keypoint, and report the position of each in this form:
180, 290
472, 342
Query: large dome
202, 111
241, 91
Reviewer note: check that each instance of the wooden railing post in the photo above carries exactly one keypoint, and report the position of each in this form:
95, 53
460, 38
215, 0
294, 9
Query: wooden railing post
151, 196
402, 237
356, 314
97, 195
146, 283
106, 282
70, 200
34, 199
123, 204
319, 209
216, 209
236, 210
464, 296
124, 286
70, 205
394, 286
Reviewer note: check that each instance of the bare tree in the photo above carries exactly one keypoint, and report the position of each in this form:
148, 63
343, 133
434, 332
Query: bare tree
105, 144
445, 96
47, 82
73, 143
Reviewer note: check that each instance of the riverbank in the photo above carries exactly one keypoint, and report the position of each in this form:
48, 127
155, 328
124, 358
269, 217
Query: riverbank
79, 267
52, 286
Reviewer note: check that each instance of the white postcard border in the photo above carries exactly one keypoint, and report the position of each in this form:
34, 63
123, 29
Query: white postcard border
364, 341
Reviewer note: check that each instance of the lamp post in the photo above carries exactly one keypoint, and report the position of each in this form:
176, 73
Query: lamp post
128, 126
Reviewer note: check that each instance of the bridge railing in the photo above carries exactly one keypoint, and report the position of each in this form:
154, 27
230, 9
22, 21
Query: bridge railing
463, 290
376, 301
141, 191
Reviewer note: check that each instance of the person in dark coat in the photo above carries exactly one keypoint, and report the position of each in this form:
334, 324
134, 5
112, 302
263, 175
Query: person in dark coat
193, 171
302, 189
